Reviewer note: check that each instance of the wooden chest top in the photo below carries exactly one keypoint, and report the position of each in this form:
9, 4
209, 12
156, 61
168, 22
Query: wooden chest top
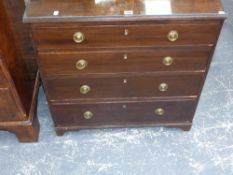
92, 10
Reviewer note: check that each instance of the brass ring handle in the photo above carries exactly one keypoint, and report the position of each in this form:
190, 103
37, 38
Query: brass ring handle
88, 115
159, 111
84, 89
81, 64
163, 87
172, 35
78, 37
167, 61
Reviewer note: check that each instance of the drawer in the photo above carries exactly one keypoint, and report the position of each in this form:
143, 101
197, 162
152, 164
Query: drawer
123, 113
8, 107
123, 87
110, 36
125, 61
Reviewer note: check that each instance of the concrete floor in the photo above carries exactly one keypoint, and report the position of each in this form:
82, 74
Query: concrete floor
206, 150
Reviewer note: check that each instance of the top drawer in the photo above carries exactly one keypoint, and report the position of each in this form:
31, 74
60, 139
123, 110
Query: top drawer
108, 36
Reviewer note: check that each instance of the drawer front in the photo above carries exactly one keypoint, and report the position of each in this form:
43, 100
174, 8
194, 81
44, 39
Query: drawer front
123, 113
126, 35
8, 109
144, 60
123, 87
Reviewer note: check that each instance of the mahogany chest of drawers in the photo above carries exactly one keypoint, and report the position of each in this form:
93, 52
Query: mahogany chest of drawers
124, 63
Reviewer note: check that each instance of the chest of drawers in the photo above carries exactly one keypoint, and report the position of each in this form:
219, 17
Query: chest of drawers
124, 63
